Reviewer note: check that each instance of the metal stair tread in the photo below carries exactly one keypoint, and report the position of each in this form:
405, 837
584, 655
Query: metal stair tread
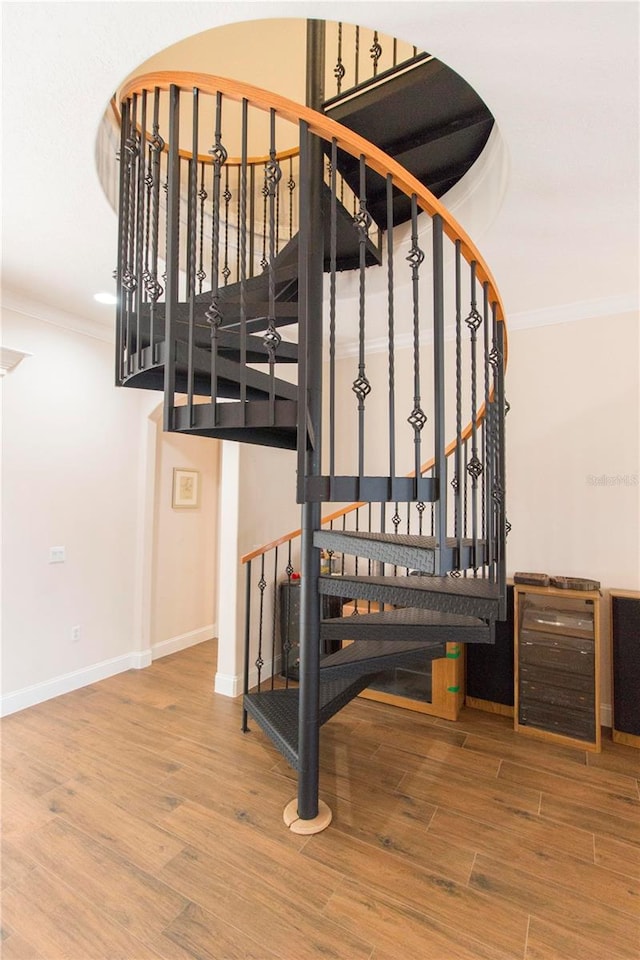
276, 711
463, 595
404, 539
372, 652
406, 624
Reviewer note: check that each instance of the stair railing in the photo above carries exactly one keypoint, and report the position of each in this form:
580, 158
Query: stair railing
358, 57
450, 301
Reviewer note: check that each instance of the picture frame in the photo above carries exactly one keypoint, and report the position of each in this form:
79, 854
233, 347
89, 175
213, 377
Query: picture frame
186, 489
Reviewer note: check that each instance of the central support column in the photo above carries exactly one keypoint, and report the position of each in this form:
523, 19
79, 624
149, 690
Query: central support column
307, 814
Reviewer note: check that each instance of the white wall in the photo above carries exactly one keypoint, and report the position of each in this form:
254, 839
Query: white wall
72, 446
79, 470
184, 553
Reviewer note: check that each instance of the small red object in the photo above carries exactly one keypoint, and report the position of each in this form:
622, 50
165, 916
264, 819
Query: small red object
295, 576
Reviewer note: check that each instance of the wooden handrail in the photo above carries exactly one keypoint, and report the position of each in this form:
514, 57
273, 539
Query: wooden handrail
377, 160
328, 129
206, 158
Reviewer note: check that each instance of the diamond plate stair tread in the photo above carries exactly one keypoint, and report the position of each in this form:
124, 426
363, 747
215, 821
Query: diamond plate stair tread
408, 623
377, 655
403, 550
466, 596
276, 711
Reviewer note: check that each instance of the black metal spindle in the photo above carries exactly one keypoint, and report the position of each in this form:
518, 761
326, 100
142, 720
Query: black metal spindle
274, 618
272, 338
286, 620
252, 218
291, 186
458, 477
242, 256
486, 457
228, 196
141, 220
417, 418
173, 255
202, 196
154, 289
440, 459
500, 493
262, 585
191, 267
474, 467
339, 69
391, 334
130, 281
333, 266
376, 52
213, 315
361, 386
121, 308
247, 639
356, 71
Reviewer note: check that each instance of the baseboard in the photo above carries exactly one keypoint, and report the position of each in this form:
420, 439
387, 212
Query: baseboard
57, 686
231, 685
181, 642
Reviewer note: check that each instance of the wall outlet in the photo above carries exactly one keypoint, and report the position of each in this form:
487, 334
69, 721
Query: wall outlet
75, 634
56, 555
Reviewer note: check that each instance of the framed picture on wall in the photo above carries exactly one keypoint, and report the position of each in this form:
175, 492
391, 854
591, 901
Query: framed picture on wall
186, 489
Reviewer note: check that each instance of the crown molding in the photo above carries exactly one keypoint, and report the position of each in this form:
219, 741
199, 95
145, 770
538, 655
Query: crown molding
37, 310
526, 320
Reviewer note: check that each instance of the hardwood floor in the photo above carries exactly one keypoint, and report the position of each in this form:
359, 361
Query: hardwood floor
139, 823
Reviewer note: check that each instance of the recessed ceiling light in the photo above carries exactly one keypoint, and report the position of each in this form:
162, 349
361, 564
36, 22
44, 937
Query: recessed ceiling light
105, 298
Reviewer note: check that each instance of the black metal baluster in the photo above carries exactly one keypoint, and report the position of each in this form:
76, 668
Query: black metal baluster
357, 60
242, 258
361, 386
395, 52
247, 640
228, 196
191, 248
213, 315
396, 519
440, 459
274, 618
130, 281
333, 243
420, 507
458, 453
121, 307
465, 476
474, 467
154, 289
417, 418
252, 218
262, 584
202, 196
272, 338
140, 222
503, 525
487, 472
173, 255
264, 263
376, 52
291, 186
339, 69
391, 329
285, 621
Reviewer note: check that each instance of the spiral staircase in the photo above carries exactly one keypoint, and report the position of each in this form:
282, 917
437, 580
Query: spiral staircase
232, 276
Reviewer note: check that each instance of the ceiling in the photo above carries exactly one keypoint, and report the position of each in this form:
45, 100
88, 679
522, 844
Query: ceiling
560, 78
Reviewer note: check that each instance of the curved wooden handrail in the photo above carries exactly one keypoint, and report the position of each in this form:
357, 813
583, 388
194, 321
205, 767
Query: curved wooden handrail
206, 158
377, 160
328, 129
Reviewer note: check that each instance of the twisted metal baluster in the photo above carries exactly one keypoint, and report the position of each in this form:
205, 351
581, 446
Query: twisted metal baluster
474, 466
274, 618
376, 52
291, 186
262, 583
202, 196
333, 255
154, 288
339, 69
272, 338
391, 332
417, 418
213, 315
361, 386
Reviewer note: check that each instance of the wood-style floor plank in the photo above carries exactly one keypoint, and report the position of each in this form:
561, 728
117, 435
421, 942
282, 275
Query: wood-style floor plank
140, 823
